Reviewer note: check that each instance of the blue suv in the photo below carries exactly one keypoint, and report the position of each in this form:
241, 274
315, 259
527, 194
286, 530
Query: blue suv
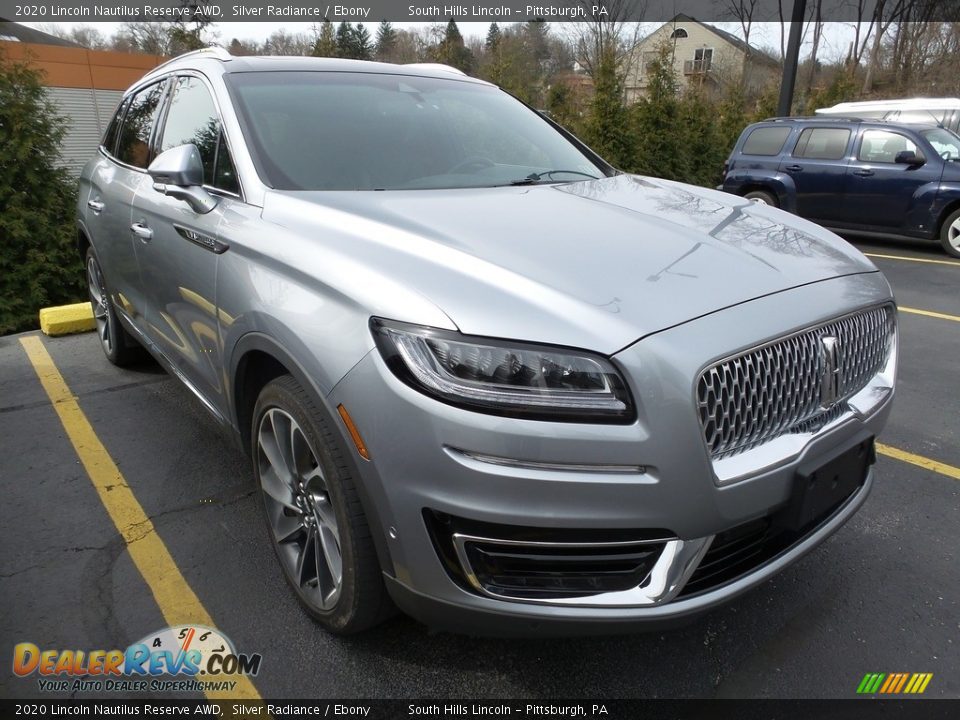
866, 177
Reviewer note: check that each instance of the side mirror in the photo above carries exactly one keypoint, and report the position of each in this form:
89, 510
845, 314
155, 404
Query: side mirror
178, 172
906, 157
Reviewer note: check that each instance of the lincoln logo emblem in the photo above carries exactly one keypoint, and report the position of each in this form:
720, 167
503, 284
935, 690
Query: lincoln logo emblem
830, 380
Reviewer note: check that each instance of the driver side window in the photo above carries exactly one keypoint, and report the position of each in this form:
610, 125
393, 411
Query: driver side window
193, 119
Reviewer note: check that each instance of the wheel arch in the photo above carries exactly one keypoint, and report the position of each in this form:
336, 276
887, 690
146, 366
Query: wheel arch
951, 207
256, 360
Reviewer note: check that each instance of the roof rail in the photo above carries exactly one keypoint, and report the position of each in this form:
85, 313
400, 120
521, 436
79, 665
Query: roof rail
822, 118
214, 51
435, 66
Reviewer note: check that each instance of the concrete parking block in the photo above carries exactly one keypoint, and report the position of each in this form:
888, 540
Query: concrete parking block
67, 319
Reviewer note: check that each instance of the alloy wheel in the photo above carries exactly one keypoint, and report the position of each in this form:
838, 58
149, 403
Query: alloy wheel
953, 234
299, 509
98, 298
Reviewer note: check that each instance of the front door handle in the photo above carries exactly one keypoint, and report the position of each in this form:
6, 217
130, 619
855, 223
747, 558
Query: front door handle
863, 173
96, 206
793, 168
142, 231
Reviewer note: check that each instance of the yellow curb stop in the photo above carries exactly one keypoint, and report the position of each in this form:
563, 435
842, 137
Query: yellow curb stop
66, 319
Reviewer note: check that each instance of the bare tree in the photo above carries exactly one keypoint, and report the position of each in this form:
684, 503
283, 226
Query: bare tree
885, 13
608, 38
817, 23
743, 11
86, 35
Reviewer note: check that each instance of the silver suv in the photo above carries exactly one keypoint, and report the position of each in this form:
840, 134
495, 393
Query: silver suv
482, 375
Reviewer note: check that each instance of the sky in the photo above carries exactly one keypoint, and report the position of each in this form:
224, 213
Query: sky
836, 36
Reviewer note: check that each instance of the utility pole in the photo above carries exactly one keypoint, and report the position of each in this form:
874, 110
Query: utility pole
792, 59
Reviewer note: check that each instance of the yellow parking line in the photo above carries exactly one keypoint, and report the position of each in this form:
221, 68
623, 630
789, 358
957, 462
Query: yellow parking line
913, 259
930, 313
177, 601
919, 461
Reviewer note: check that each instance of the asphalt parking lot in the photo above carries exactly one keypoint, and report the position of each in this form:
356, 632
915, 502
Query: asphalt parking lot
882, 595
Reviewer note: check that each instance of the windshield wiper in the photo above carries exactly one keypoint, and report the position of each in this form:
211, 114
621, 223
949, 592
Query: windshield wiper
534, 178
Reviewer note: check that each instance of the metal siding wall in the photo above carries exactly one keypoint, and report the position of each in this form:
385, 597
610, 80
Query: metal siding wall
87, 112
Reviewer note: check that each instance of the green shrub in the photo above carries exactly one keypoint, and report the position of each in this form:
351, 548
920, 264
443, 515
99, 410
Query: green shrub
39, 265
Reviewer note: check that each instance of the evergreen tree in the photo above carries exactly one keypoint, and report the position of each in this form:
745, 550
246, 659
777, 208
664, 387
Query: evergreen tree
326, 44
493, 37
362, 45
386, 41
39, 265
657, 123
344, 40
607, 129
452, 51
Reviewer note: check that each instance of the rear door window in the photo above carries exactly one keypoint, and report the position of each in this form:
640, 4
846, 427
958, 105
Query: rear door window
134, 142
113, 130
765, 141
822, 144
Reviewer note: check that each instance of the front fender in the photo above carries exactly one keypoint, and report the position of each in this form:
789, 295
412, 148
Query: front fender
947, 197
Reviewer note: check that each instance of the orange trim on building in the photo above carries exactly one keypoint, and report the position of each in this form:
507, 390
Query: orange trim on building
69, 67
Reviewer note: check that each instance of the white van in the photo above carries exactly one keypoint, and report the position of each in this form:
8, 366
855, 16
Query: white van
942, 111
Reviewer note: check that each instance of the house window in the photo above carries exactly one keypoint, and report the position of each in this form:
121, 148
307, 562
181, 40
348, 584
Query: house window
649, 59
678, 34
702, 59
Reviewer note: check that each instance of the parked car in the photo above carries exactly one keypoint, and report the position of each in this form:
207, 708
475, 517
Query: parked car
939, 111
868, 177
480, 373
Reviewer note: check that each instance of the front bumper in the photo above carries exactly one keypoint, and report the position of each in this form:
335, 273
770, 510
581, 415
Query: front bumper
654, 474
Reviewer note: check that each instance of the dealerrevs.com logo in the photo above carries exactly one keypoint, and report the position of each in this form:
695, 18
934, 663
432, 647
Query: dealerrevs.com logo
200, 659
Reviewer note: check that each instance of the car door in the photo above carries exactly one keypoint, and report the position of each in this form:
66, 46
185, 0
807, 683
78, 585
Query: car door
179, 247
109, 198
817, 166
879, 191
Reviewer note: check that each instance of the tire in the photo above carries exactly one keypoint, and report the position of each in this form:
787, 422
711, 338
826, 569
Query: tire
762, 196
314, 516
950, 234
118, 345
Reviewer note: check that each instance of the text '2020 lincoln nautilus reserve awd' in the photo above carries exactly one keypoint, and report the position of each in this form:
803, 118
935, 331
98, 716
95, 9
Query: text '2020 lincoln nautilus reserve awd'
482, 375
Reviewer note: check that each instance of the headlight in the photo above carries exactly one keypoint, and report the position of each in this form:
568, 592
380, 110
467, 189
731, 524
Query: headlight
505, 377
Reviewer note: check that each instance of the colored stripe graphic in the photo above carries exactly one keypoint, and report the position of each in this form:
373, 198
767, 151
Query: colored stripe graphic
894, 683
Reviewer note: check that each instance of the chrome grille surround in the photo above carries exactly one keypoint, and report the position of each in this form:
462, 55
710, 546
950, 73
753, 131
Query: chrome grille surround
756, 396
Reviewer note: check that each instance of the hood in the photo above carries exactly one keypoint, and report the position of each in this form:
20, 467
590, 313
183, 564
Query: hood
596, 264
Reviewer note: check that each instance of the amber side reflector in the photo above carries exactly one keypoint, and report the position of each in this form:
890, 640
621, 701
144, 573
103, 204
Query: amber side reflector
354, 433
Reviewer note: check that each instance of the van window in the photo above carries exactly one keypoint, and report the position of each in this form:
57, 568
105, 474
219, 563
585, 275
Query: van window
946, 143
882, 146
765, 141
822, 143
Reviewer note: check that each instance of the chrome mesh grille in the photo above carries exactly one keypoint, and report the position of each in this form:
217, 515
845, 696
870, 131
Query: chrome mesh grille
775, 389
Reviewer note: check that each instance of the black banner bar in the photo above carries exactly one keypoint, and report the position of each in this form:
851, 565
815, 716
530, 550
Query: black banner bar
446, 709
466, 11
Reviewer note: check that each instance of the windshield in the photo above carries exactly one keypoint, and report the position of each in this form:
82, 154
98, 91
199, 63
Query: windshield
946, 143
363, 131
